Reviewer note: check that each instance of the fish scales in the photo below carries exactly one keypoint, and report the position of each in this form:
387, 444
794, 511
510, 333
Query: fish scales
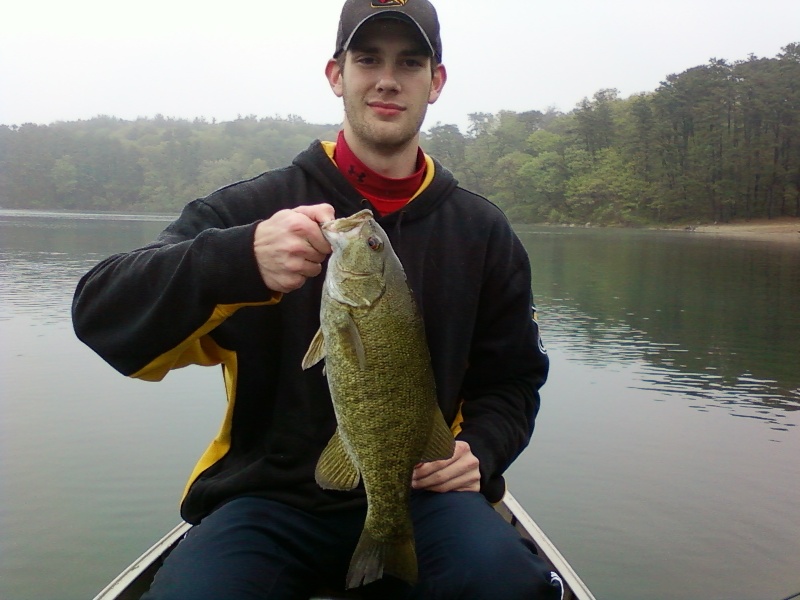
372, 339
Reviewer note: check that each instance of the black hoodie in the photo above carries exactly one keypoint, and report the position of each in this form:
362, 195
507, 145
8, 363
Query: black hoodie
195, 296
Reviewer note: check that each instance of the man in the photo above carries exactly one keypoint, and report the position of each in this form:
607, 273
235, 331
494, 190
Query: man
235, 281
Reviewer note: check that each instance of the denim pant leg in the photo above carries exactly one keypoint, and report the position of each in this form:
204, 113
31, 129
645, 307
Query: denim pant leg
467, 550
253, 548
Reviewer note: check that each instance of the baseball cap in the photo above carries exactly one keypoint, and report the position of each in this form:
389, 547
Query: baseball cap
420, 13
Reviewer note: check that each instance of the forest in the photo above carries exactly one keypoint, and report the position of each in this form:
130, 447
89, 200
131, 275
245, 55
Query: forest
715, 143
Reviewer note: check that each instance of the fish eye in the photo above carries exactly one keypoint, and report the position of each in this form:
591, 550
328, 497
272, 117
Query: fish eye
374, 243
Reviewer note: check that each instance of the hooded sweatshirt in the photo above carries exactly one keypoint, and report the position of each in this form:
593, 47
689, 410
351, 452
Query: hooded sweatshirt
195, 296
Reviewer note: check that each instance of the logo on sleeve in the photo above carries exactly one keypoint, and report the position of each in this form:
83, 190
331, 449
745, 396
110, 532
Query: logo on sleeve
535, 317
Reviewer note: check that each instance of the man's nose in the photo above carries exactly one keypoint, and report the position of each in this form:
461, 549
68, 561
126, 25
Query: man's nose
388, 80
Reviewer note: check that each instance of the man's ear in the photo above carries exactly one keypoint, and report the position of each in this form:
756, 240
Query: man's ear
333, 71
437, 83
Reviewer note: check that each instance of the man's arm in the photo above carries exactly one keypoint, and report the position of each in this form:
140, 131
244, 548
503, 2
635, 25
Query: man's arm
147, 311
500, 392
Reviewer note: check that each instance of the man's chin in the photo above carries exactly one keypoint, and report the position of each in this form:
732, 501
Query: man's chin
391, 140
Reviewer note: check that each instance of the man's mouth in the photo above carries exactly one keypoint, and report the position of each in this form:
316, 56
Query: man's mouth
387, 109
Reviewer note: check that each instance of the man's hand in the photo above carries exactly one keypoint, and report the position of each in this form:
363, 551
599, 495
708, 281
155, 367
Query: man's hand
290, 247
460, 473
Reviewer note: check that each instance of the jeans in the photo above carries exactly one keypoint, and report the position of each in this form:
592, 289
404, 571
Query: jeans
254, 548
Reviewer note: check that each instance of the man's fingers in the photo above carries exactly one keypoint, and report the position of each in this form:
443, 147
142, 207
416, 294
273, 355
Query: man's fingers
309, 268
461, 472
321, 213
317, 214
425, 469
302, 247
444, 481
294, 275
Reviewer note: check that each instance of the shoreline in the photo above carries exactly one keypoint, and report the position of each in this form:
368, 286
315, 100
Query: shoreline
782, 229
779, 229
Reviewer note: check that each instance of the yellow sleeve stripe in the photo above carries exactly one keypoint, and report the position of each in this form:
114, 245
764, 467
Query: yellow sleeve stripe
220, 445
456, 425
196, 349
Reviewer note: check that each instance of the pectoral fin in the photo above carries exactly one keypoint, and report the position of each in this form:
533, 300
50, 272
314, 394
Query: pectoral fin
315, 352
335, 468
441, 443
352, 339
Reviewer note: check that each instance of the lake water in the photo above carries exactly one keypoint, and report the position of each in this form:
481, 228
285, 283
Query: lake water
665, 465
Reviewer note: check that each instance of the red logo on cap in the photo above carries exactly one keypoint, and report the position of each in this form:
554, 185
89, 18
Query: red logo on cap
387, 3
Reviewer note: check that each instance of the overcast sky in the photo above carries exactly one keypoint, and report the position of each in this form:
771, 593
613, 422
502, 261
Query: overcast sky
75, 59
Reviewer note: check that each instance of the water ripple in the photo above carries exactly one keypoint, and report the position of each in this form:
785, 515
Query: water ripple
665, 369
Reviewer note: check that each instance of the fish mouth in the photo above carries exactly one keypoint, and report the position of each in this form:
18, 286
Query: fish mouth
347, 224
354, 274
339, 231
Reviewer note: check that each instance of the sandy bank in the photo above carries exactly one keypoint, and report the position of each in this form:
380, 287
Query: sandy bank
784, 229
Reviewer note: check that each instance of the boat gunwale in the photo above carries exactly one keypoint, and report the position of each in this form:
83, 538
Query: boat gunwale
125, 585
125, 581
513, 512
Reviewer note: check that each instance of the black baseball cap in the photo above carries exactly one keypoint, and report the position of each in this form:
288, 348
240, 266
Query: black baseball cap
420, 13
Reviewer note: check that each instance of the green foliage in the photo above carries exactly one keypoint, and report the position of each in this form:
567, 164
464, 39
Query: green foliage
148, 165
716, 142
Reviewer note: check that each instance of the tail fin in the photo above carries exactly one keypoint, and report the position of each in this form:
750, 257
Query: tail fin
371, 558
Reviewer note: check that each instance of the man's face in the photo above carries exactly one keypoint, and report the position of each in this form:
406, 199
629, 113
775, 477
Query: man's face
386, 84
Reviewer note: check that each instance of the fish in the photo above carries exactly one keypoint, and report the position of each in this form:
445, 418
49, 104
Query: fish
378, 370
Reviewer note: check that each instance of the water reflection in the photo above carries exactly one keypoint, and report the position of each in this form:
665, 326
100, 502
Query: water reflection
665, 368
84, 234
710, 321
44, 254
37, 284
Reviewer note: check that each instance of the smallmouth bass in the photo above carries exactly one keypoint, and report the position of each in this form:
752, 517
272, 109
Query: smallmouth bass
379, 373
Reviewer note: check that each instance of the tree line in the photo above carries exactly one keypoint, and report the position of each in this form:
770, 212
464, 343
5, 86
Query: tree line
150, 165
716, 142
